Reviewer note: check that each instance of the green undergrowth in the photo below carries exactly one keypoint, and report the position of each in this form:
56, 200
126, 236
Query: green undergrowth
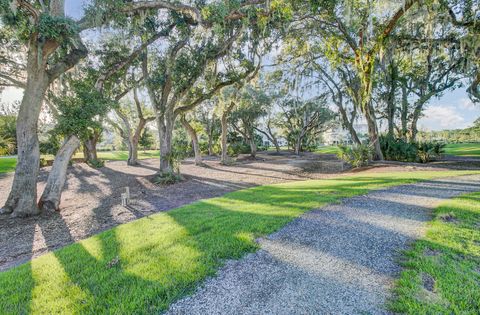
143, 266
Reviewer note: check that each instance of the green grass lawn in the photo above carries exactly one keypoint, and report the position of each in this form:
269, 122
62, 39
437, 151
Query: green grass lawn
8, 164
122, 155
331, 149
442, 271
463, 149
143, 266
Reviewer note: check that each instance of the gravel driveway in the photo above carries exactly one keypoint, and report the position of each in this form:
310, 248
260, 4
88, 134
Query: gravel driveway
340, 259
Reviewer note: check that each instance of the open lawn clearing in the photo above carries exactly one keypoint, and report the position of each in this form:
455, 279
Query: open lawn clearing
145, 265
442, 271
463, 149
331, 149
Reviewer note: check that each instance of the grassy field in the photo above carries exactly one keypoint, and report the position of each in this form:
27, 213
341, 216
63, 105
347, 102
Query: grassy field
463, 149
8, 164
143, 266
331, 149
442, 271
458, 149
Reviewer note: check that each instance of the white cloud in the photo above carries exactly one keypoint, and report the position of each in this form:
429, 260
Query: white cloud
442, 117
467, 103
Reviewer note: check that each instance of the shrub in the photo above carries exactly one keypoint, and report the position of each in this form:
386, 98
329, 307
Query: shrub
96, 163
398, 149
403, 151
7, 146
356, 155
168, 178
50, 146
43, 162
238, 147
428, 151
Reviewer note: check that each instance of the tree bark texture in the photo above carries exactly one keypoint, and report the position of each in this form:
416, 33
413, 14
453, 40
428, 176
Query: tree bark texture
194, 138
52, 194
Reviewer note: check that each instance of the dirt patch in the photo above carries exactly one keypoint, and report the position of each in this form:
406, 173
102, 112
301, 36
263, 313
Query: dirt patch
429, 252
428, 282
448, 217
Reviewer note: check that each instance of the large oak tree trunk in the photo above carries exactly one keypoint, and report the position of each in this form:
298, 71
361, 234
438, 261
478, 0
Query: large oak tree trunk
210, 145
298, 145
22, 200
133, 143
132, 152
90, 149
193, 136
253, 146
349, 125
373, 133
52, 194
165, 131
404, 113
391, 108
415, 117
224, 158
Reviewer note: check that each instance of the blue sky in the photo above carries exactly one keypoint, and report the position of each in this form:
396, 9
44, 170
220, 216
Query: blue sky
453, 110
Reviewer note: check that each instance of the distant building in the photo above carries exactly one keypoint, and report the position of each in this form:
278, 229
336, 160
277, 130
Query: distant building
339, 135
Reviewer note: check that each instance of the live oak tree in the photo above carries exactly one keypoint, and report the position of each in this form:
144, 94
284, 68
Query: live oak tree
304, 120
132, 120
252, 105
53, 47
78, 114
207, 117
202, 57
354, 33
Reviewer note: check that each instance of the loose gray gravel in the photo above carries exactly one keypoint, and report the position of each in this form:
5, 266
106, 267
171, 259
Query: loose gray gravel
340, 259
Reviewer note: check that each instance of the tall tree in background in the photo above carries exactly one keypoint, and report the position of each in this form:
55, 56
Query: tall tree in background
133, 119
303, 121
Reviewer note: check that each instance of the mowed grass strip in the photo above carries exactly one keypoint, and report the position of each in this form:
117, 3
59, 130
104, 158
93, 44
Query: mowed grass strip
9, 164
442, 271
463, 149
143, 266
331, 149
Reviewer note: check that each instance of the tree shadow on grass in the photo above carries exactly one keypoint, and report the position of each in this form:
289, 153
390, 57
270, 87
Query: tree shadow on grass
139, 267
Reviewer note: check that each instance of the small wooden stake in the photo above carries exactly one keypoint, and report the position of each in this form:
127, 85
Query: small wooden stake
124, 200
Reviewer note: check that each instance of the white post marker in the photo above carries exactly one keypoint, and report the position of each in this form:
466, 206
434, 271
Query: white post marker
124, 200
127, 192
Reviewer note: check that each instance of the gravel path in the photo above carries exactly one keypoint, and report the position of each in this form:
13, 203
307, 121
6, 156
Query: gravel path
340, 259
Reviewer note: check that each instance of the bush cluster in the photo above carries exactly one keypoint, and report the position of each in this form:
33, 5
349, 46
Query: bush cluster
356, 155
396, 149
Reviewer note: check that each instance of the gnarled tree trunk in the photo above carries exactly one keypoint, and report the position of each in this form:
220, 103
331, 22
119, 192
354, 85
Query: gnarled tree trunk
224, 157
253, 146
52, 194
193, 136
373, 133
404, 113
165, 131
90, 149
22, 200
